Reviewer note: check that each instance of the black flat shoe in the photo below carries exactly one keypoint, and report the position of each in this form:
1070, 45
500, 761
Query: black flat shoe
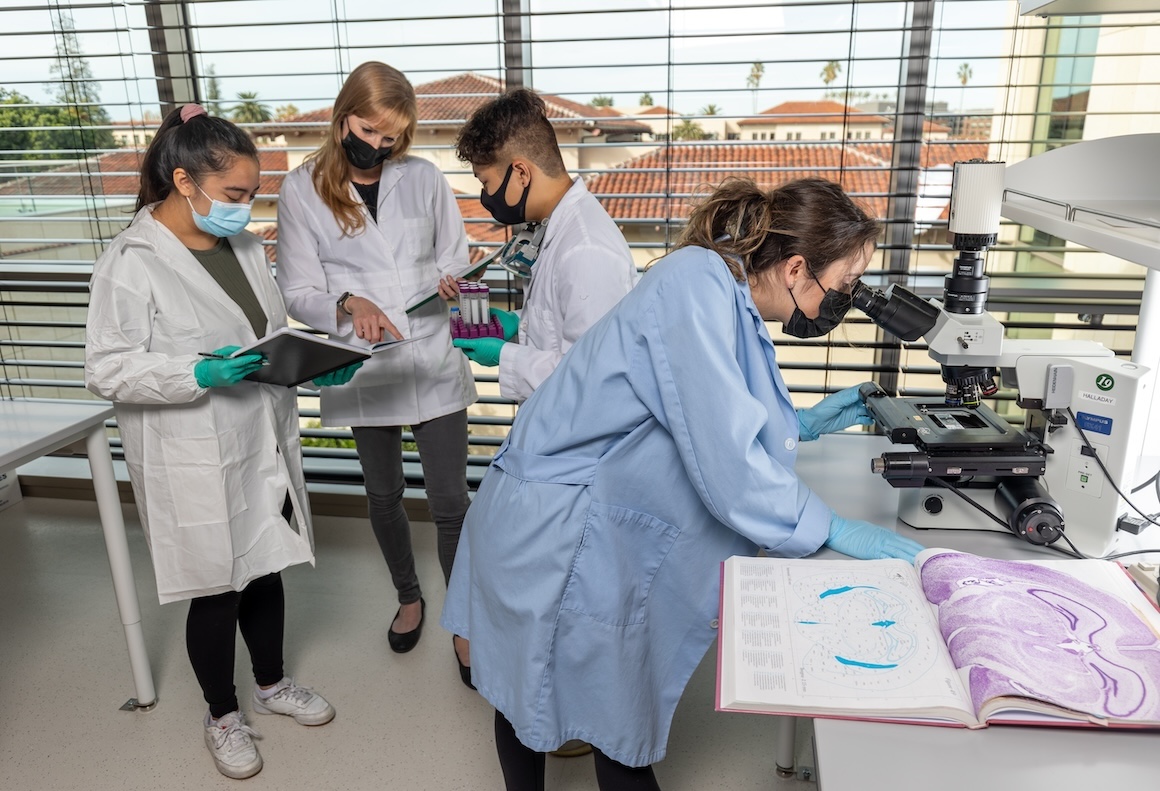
464, 670
402, 643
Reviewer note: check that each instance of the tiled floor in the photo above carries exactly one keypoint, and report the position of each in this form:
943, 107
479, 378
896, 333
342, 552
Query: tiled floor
404, 722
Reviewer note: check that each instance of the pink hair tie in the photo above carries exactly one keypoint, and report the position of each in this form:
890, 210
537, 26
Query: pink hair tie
191, 111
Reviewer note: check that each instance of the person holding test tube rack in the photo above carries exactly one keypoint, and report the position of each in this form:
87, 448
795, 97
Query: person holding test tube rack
215, 461
583, 268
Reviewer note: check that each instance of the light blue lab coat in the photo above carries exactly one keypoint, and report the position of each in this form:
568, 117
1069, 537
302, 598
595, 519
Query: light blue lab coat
588, 572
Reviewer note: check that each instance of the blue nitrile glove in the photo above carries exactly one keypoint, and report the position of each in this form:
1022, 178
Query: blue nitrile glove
484, 351
339, 376
509, 321
210, 372
865, 541
833, 413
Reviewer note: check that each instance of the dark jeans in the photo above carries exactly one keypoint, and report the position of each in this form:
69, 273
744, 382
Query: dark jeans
523, 768
442, 445
210, 634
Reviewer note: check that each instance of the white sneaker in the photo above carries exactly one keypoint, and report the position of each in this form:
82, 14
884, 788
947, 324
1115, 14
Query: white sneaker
231, 743
305, 705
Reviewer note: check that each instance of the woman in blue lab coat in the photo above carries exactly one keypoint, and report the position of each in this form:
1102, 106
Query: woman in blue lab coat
587, 578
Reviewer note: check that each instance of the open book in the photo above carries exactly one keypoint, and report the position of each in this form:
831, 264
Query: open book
955, 640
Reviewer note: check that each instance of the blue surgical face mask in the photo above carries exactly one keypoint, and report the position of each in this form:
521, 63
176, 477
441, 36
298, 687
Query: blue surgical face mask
224, 219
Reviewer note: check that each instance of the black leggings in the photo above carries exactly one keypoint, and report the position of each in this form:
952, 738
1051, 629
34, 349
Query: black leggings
210, 634
523, 768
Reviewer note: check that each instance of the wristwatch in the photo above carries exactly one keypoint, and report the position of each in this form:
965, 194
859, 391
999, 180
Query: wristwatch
342, 302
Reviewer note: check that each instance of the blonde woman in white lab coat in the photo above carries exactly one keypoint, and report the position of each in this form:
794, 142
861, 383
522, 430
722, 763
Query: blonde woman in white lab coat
215, 462
362, 227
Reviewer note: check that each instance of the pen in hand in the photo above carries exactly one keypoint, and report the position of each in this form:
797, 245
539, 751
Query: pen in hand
211, 356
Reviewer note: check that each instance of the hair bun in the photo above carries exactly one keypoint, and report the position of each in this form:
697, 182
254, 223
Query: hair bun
191, 111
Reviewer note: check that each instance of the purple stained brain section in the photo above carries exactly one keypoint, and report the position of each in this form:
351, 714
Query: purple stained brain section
1031, 631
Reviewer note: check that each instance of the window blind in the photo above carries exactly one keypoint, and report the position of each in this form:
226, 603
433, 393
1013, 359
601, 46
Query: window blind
654, 102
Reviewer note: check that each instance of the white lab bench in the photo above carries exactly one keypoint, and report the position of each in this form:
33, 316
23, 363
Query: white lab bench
31, 429
869, 756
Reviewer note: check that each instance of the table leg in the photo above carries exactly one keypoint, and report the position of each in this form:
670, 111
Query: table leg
786, 746
113, 525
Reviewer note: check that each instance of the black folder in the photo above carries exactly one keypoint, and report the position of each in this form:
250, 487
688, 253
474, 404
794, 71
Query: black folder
294, 356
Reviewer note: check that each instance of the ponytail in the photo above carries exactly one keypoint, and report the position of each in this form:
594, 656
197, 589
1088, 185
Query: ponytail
189, 138
755, 230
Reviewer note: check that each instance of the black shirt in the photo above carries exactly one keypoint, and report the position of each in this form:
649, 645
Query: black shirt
370, 195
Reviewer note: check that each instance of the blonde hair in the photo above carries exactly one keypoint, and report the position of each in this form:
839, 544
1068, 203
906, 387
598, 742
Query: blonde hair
754, 230
380, 94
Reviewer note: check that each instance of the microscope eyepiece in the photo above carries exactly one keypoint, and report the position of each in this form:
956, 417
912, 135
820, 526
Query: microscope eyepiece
896, 310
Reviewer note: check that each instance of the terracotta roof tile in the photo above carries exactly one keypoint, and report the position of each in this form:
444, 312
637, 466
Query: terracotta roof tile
694, 168
454, 99
115, 174
823, 112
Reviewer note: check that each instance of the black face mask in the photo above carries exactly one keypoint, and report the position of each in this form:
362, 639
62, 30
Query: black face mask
835, 305
496, 203
362, 154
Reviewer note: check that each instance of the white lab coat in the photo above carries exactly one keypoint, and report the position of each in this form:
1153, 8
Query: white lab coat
210, 469
419, 237
584, 267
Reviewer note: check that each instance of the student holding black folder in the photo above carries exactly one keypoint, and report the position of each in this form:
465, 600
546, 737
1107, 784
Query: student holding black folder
362, 229
215, 462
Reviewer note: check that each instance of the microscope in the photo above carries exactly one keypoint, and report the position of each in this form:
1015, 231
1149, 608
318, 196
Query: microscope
1066, 468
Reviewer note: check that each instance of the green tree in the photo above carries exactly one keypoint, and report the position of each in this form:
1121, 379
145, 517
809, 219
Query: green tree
601, 101
964, 75
61, 132
12, 118
213, 91
646, 100
249, 110
285, 112
710, 109
75, 89
830, 72
848, 97
324, 442
753, 82
334, 442
687, 129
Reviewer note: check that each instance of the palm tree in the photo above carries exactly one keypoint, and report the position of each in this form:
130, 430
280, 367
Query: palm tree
601, 101
213, 91
688, 130
646, 100
249, 110
830, 72
964, 74
710, 109
756, 72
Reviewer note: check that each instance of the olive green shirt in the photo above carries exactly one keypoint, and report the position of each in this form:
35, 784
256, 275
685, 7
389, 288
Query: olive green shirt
224, 267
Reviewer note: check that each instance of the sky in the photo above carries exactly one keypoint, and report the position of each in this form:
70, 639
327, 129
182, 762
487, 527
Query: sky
293, 51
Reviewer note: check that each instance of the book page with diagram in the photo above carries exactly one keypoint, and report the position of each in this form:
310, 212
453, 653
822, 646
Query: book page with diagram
836, 638
1073, 639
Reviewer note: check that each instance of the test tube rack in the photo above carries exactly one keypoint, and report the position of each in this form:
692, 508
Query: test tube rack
459, 329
